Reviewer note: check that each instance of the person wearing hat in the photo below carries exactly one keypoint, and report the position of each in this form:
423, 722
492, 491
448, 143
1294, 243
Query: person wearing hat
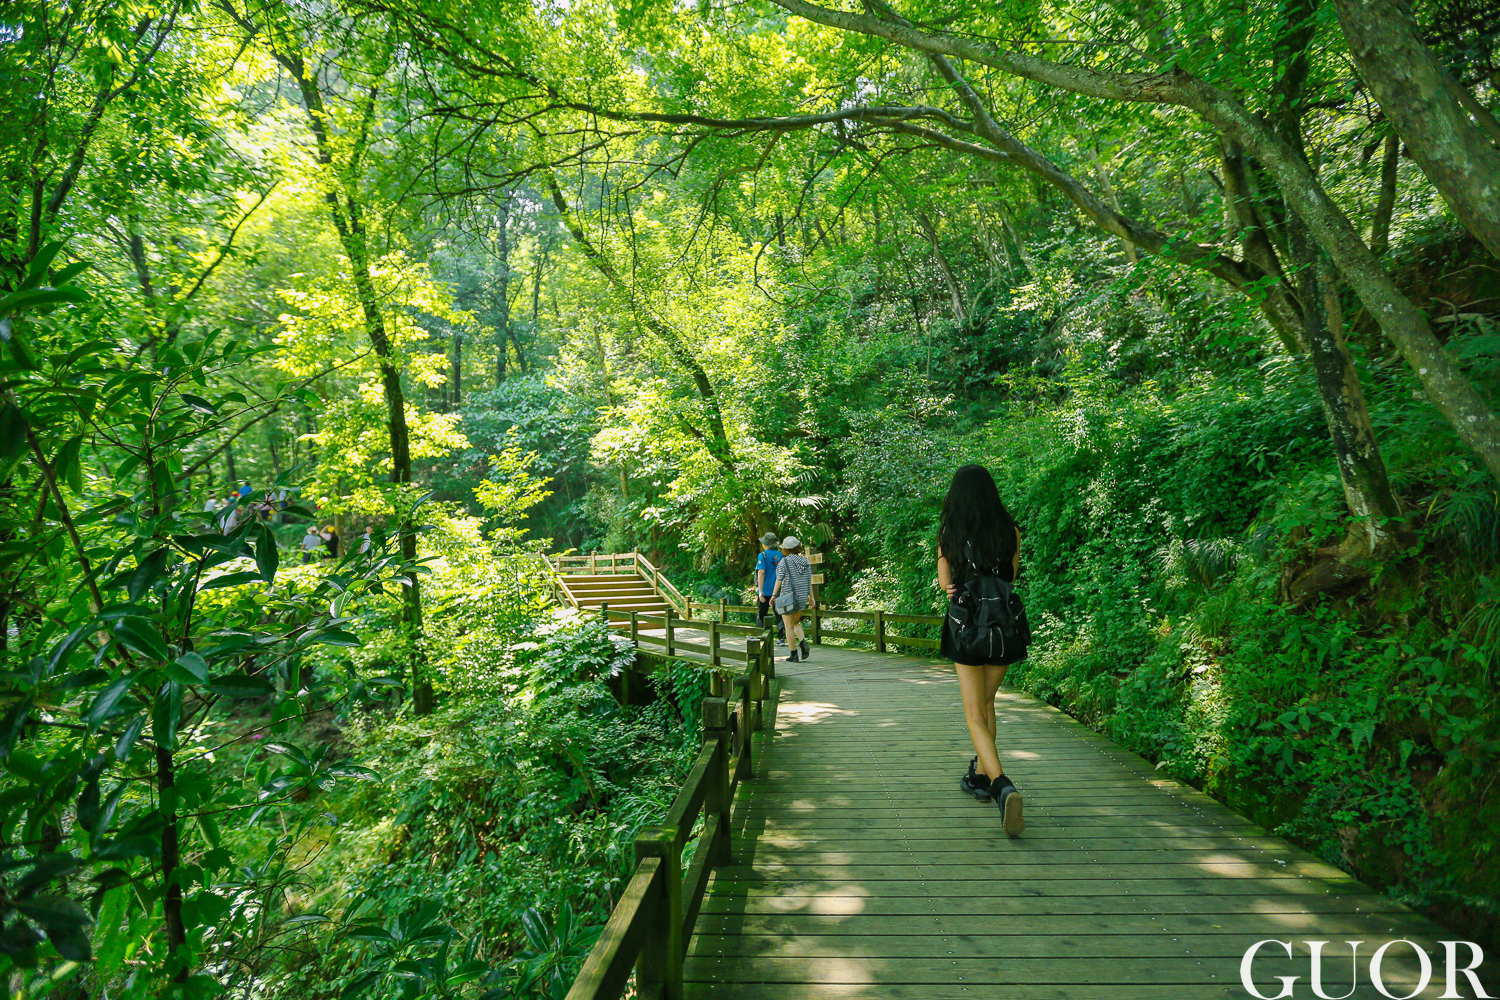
793, 595
765, 583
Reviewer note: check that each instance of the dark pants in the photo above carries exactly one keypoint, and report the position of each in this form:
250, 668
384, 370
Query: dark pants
764, 610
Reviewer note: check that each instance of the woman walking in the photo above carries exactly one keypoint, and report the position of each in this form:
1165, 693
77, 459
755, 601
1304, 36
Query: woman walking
978, 537
793, 595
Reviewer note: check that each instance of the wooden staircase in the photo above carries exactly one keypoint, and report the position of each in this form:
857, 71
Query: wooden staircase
621, 593
625, 581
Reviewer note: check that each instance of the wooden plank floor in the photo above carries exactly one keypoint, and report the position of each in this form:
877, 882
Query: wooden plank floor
862, 871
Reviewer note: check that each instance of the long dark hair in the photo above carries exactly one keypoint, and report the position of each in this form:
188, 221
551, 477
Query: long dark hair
976, 535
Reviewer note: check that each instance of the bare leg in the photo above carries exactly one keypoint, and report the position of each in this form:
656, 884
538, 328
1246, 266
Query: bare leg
979, 713
793, 623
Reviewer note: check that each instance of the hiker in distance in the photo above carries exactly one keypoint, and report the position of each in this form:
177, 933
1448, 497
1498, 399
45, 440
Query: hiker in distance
984, 631
793, 595
765, 584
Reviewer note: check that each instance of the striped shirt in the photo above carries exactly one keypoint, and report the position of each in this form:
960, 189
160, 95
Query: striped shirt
795, 577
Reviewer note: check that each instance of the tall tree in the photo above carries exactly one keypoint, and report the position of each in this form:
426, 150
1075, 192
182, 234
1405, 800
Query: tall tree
352, 69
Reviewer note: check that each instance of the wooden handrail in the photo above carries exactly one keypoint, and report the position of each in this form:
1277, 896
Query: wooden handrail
654, 919
880, 619
660, 584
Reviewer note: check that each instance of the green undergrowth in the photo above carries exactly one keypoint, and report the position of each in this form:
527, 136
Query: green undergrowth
1161, 528
501, 828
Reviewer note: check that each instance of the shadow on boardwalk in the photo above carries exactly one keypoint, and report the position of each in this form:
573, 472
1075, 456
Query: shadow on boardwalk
862, 871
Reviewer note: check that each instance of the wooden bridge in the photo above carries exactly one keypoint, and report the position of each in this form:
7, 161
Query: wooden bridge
820, 847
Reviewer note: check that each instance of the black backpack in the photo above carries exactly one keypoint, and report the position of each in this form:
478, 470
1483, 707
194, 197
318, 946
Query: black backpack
988, 621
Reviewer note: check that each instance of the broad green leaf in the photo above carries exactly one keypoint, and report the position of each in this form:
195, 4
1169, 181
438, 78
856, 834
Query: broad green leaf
199, 405
37, 298
12, 432
41, 262
190, 668
232, 580
131, 733
241, 686
266, 555
68, 464
166, 715
337, 637
140, 636
105, 703
146, 574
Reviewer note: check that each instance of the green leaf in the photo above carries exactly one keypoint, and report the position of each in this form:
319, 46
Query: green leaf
354, 771
231, 580
65, 922
361, 984
12, 432
13, 724
287, 750
166, 715
40, 263
127, 738
64, 648
241, 686
190, 668
266, 555
198, 404
146, 574
104, 705
36, 298
140, 636
67, 274
68, 464
337, 637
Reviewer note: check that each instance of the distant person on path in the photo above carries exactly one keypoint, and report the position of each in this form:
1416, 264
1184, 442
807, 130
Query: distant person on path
978, 537
793, 595
765, 583
331, 541
311, 543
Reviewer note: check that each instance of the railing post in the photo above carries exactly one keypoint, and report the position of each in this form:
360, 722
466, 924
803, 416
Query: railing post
768, 658
635, 627
670, 630
723, 609
880, 631
593, 564
660, 964
604, 613
717, 801
713, 645
817, 617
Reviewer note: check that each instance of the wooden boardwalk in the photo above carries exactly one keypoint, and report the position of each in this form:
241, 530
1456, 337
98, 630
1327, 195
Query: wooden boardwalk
862, 871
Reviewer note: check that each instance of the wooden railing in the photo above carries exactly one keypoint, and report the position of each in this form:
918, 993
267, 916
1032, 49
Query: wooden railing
650, 926
671, 646
814, 618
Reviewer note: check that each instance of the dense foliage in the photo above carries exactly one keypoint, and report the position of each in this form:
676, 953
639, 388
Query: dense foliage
450, 283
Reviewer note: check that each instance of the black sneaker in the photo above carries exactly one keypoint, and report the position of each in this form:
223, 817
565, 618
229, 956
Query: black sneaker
975, 784
792, 658
805, 648
1005, 795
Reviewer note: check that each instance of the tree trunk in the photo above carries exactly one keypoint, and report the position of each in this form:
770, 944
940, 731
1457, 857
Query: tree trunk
458, 369
346, 210
1367, 489
716, 440
171, 860
1385, 208
234, 479
1426, 107
502, 290
949, 278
